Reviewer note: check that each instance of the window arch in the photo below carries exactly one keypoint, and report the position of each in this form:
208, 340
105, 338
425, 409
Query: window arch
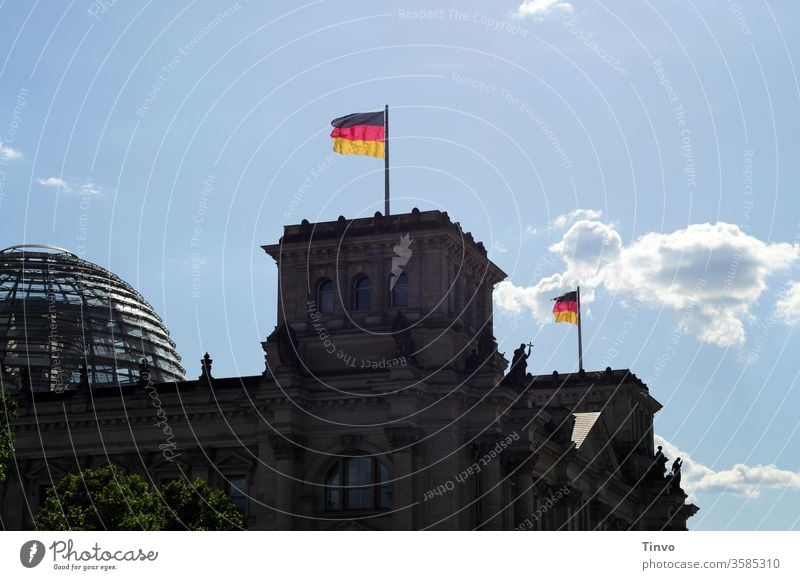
325, 295
357, 483
362, 290
399, 292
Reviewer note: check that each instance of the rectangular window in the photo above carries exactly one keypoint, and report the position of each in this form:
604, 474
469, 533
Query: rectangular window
237, 490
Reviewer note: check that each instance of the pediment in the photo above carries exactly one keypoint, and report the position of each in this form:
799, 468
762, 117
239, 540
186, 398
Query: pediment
593, 442
234, 460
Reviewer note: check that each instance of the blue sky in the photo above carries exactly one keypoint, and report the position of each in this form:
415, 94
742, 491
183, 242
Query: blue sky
644, 149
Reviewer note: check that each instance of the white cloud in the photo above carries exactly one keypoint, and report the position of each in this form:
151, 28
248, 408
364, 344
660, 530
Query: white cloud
8, 153
54, 182
499, 247
710, 275
788, 306
90, 188
516, 299
563, 220
740, 479
533, 231
587, 247
576, 214
541, 9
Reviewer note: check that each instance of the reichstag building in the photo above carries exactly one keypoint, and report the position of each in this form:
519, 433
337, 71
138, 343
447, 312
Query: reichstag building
384, 403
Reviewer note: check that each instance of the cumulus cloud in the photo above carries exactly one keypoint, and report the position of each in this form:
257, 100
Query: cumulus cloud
710, 275
587, 247
576, 214
54, 182
537, 298
788, 306
740, 479
563, 220
541, 9
8, 153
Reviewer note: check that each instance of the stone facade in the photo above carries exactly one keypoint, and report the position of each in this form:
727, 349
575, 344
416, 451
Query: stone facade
383, 405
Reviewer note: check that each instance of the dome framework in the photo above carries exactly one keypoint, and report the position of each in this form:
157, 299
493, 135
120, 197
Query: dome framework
59, 312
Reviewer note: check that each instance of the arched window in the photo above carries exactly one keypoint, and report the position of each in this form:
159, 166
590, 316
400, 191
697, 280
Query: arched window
357, 483
325, 295
399, 290
361, 293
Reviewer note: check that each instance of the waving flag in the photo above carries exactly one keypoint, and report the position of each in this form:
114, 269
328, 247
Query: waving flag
566, 308
359, 134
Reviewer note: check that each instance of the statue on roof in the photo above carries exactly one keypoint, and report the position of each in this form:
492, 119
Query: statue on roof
519, 365
658, 467
676, 474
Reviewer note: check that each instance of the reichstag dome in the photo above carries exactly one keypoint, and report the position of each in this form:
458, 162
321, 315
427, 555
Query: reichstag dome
59, 313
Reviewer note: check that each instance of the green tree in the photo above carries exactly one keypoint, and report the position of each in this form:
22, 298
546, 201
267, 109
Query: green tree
104, 498
8, 412
195, 506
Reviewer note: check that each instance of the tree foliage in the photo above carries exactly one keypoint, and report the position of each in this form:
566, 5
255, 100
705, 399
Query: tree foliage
106, 498
8, 412
195, 506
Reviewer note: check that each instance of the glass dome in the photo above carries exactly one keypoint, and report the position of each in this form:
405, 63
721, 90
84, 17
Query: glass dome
59, 312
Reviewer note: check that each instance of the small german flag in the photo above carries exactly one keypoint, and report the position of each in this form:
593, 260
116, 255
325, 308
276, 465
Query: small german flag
566, 308
359, 134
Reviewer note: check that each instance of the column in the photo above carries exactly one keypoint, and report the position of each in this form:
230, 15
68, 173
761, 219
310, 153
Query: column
286, 455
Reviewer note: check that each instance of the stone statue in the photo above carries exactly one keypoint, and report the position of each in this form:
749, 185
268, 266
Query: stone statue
519, 365
658, 466
676, 474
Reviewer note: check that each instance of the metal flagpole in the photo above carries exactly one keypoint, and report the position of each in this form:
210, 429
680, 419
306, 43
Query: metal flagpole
580, 340
386, 154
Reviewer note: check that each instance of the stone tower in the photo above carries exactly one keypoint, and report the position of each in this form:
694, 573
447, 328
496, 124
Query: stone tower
383, 292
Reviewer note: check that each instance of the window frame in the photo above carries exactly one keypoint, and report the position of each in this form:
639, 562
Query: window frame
357, 306
237, 493
318, 296
379, 486
392, 290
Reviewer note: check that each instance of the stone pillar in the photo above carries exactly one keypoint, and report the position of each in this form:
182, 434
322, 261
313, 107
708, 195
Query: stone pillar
286, 455
261, 515
491, 486
521, 464
404, 440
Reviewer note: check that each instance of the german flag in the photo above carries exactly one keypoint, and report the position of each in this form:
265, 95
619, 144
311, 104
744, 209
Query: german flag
566, 308
359, 134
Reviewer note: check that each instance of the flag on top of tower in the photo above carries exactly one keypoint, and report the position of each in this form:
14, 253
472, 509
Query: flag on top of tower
359, 134
566, 308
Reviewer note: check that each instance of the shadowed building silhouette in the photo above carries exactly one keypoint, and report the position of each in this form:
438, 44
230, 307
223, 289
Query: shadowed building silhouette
384, 405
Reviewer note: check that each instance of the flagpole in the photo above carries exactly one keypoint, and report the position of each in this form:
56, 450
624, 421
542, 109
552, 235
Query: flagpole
580, 340
386, 155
